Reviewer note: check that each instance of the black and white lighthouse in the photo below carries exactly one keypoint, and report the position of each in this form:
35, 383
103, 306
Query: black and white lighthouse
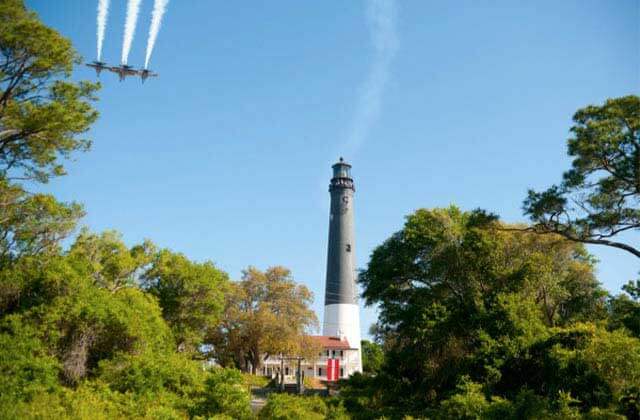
341, 309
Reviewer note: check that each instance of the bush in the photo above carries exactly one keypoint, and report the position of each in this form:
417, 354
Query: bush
226, 393
256, 381
290, 407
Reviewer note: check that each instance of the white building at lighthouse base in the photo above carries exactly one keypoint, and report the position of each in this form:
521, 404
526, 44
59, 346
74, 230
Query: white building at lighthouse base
331, 348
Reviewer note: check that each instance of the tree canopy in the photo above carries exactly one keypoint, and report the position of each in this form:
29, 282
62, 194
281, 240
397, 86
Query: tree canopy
191, 295
42, 118
598, 197
472, 314
266, 313
41, 111
372, 356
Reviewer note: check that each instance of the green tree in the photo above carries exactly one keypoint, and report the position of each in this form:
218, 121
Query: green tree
79, 319
107, 259
42, 116
458, 297
41, 113
32, 224
598, 196
372, 356
625, 308
190, 294
27, 366
470, 402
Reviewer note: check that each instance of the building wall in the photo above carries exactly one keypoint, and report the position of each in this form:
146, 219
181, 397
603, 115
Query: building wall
349, 360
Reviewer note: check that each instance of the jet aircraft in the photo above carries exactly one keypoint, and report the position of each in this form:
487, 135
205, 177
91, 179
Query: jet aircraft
144, 74
123, 71
98, 66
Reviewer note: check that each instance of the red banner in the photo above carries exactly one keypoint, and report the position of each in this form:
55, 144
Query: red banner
333, 369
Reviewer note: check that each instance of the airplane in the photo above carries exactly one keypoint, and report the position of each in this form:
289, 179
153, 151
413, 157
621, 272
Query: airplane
123, 71
98, 66
145, 73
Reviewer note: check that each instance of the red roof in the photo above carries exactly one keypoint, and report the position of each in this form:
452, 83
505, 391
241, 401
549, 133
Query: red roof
329, 342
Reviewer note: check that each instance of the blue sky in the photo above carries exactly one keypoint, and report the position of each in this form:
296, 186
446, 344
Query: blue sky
226, 156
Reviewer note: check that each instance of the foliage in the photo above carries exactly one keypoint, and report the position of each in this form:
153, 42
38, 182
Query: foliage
460, 297
256, 381
109, 261
41, 117
40, 114
625, 309
470, 402
75, 346
190, 294
372, 356
266, 313
153, 373
27, 369
82, 324
95, 401
81, 350
225, 393
598, 196
363, 397
290, 407
32, 224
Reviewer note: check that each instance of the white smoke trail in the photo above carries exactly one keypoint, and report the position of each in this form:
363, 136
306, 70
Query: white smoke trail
103, 12
159, 7
381, 16
133, 7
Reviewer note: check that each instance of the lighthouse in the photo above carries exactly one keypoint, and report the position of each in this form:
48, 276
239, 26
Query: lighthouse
341, 309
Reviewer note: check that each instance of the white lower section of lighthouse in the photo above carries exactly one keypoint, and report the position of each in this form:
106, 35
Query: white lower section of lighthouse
343, 319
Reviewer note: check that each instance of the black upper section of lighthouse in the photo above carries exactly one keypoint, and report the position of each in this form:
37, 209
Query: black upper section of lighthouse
340, 282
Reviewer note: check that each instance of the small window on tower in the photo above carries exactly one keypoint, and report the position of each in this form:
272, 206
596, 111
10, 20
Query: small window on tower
348, 247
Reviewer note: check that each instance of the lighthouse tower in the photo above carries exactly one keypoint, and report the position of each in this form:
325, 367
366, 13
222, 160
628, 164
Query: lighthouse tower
341, 309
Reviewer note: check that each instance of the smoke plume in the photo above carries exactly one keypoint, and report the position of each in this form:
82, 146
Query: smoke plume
159, 7
133, 7
381, 18
103, 12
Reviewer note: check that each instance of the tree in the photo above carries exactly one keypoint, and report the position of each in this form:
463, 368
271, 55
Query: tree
110, 263
266, 313
32, 224
190, 294
598, 196
457, 297
625, 308
42, 115
372, 356
78, 322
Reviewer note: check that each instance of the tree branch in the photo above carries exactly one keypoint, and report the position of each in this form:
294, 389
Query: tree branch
573, 238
